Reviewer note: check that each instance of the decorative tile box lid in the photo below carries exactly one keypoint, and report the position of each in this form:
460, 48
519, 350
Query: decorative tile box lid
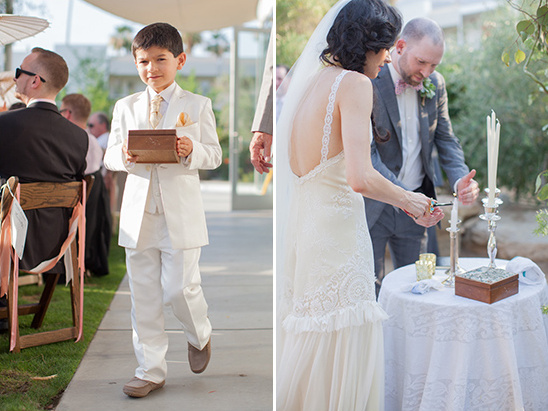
486, 284
153, 146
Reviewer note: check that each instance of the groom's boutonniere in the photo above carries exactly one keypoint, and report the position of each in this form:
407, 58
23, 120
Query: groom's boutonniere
428, 89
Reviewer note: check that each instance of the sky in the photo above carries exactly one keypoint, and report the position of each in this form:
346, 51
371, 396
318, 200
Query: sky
90, 25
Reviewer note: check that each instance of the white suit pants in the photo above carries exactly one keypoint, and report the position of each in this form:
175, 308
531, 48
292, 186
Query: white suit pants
158, 276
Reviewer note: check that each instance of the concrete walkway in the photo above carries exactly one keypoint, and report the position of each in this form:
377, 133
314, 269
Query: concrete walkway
237, 281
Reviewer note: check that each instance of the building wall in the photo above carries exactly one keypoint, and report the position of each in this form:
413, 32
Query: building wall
460, 19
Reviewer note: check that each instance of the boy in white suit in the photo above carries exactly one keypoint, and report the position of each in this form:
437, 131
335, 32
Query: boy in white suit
162, 221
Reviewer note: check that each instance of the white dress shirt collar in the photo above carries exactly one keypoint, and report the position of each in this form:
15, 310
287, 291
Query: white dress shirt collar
42, 100
166, 94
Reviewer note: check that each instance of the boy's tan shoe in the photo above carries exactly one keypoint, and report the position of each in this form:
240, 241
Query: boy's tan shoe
137, 387
198, 359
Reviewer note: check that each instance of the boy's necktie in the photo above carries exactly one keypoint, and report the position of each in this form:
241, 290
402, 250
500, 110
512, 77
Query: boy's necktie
155, 115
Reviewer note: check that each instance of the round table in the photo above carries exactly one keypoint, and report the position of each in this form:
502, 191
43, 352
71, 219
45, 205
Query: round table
445, 352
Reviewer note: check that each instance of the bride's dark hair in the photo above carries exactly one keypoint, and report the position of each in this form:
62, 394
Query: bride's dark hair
361, 26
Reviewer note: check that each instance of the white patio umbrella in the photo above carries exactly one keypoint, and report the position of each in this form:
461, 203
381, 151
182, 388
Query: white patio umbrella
13, 27
7, 89
187, 15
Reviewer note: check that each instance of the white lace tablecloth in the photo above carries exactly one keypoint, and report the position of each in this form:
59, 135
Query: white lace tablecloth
449, 353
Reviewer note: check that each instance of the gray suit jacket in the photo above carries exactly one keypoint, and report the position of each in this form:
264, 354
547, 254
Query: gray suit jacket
435, 129
264, 112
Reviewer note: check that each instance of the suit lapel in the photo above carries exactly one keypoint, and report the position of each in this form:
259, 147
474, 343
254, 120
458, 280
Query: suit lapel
424, 131
385, 87
176, 106
141, 111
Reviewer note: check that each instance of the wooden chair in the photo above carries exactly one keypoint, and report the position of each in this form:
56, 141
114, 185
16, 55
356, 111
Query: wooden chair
47, 195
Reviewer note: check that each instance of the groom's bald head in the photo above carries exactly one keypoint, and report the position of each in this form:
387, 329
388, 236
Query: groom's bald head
419, 50
417, 29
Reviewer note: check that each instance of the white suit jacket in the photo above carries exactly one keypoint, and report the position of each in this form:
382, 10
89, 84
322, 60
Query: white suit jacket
179, 183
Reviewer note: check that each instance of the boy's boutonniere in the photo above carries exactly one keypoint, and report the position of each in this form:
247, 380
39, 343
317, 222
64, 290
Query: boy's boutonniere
428, 89
183, 119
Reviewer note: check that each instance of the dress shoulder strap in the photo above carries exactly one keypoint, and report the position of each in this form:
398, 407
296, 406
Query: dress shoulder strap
329, 115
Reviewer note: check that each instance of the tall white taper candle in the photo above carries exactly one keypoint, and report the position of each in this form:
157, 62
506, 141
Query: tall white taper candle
455, 214
493, 133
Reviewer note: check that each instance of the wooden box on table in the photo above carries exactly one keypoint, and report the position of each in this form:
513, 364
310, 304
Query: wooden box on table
487, 285
153, 146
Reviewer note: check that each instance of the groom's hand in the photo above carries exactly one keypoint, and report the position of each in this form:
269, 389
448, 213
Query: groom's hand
430, 219
468, 188
259, 148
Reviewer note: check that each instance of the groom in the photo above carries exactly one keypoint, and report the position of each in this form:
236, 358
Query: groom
416, 122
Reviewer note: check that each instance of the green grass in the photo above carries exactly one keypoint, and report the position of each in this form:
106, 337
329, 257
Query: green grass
19, 390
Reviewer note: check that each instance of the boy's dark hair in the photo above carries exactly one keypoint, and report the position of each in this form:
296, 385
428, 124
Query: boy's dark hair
361, 26
158, 34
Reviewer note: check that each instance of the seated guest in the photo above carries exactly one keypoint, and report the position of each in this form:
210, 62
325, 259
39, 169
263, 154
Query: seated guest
99, 126
76, 109
38, 144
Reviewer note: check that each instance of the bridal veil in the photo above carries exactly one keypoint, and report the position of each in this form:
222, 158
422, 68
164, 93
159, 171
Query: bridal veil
299, 77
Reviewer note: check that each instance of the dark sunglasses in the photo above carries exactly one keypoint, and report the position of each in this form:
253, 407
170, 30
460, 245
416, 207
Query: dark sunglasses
19, 71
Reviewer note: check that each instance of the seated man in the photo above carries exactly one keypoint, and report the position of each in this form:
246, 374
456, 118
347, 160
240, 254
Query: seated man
39, 144
76, 109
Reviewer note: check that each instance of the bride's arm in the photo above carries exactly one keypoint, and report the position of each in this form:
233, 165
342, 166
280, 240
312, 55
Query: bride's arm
355, 99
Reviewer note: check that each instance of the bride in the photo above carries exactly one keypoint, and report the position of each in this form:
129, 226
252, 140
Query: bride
330, 344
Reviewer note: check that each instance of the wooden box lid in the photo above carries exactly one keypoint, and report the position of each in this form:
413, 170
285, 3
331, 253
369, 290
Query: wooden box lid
153, 146
487, 285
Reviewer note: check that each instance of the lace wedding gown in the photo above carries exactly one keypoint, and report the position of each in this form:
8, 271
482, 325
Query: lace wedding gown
331, 354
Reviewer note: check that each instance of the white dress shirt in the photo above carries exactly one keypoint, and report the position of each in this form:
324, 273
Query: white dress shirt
94, 156
103, 140
154, 203
412, 171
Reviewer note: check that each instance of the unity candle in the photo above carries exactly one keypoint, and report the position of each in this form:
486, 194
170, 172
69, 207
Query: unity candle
493, 133
455, 214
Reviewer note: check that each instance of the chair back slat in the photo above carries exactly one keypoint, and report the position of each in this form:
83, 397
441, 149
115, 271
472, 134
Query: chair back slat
48, 195
44, 195
7, 197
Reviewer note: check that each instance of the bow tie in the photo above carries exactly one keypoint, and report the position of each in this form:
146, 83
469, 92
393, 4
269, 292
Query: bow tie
402, 85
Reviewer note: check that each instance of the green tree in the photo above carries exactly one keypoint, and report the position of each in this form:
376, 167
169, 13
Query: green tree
190, 40
218, 44
477, 83
531, 49
189, 83
121, 40
91, 76
295, 22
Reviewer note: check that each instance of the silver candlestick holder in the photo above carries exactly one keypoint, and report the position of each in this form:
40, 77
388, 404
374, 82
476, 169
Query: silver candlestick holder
454, 267
491, 216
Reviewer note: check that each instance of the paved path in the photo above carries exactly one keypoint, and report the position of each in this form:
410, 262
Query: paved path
237, 281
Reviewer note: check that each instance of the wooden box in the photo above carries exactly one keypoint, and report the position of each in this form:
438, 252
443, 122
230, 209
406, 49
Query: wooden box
488, 290
153, 146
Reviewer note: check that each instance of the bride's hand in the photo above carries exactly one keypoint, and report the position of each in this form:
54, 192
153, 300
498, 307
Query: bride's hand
415, 204
418, 207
